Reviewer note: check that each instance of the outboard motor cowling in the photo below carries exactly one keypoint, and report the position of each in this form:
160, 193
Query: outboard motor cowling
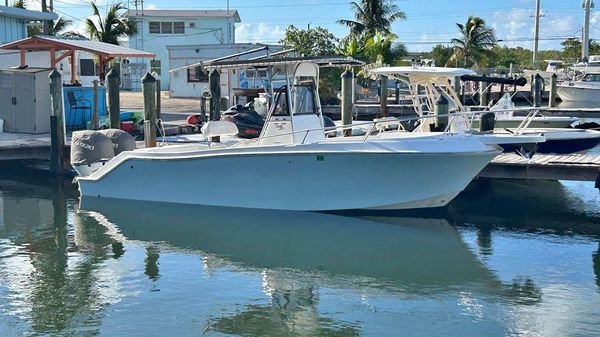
121, 140
89, 151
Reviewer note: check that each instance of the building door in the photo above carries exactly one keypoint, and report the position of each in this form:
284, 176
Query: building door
7, 107
24, 85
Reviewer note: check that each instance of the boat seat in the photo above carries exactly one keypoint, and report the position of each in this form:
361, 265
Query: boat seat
219, 129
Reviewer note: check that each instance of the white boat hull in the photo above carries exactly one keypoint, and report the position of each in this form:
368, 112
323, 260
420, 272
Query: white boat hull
308, 180
576, 93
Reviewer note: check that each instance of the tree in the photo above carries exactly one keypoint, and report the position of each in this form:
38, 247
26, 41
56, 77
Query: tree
113, 26
55, 28
475, 42
18, 4
380, 49
373, 16
441, 54
572, 48
310, 42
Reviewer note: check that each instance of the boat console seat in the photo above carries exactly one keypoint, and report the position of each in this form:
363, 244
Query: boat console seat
219, 129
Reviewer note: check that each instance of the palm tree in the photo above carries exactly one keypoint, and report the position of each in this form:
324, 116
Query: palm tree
381, 50
373, 16
55, 27
113, 26
18, 4
475, 42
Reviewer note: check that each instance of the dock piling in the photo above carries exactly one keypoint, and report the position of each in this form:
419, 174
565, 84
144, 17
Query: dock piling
214, 83
441, 109
95, 121
114, 104
552, 98
482, 92
537, 90
57, 130
383, 89
347, 103
149, 91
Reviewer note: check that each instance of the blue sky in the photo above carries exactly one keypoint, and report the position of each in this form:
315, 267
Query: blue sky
427, 20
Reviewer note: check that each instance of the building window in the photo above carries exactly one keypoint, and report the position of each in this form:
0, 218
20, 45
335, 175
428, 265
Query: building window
154, 27
166, 27
178, 27
192, 25
87, 67
155, 66
195, 74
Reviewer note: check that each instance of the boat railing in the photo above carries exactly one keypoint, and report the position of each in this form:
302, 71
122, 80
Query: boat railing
373, 125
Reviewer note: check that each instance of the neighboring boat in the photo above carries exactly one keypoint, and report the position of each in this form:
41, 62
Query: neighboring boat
553, 67
586, 89
592, 64
292, 165
436, 82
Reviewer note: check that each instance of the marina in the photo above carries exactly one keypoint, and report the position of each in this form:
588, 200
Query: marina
197, 170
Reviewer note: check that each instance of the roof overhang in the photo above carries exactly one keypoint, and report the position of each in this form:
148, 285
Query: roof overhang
48, 43
26, 14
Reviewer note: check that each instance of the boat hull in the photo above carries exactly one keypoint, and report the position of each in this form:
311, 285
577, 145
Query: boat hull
294, 181
577, 93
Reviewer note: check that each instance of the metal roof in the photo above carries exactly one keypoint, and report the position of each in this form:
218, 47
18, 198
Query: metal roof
322, 61
186, 13
44, 42
26, 14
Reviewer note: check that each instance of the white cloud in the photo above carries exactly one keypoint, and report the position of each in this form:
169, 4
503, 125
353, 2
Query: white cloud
261, 32
519, 23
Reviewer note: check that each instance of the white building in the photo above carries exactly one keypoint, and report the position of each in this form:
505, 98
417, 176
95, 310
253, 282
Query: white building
160, 29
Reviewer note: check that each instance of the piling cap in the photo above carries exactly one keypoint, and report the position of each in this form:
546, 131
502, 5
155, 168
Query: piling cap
442, 100
113, 72
148, 78
54, 74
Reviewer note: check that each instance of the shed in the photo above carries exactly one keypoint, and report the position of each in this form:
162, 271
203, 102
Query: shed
13, 22
61, 47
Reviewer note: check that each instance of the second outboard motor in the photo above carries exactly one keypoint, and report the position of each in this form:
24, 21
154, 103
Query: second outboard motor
121, 140
487, 121
89, 151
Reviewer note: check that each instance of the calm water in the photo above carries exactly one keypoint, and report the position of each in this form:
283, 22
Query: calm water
505, 259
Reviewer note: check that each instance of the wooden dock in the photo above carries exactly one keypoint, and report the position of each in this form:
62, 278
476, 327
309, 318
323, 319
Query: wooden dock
545, 167
21, 146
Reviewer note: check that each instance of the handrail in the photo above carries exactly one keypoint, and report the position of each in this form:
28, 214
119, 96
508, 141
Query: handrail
376, 122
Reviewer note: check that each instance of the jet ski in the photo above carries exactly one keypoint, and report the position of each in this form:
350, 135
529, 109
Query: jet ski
250, 123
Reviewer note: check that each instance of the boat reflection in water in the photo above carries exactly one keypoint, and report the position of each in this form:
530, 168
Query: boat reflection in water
299, 253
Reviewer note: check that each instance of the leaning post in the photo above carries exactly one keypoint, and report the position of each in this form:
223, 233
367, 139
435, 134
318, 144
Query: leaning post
214, 83
114, 104
95, 118
347, 103
537, 90
149, 91
57, 129
383, 88
552, 98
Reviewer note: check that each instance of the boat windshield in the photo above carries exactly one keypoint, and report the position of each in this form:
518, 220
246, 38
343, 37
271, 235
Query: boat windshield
591, 78
303, 99
281, 104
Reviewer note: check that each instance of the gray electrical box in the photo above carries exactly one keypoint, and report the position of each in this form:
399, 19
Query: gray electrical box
25, 100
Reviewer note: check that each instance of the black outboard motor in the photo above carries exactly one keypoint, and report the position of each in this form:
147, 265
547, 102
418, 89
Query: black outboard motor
248, 121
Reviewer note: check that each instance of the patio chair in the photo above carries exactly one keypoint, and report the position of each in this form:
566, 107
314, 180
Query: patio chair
78, 104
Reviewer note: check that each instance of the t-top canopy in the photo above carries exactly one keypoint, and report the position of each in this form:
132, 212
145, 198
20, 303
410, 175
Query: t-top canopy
418, 74
322, 61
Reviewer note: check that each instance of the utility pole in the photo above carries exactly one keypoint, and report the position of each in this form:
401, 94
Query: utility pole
585, 42
536, 37
46, 24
